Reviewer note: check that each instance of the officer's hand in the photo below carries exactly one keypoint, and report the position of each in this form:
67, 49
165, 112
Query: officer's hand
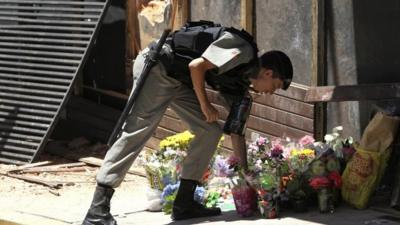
209, 112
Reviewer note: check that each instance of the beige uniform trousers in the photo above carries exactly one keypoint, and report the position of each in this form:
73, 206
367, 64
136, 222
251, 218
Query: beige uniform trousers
159, 92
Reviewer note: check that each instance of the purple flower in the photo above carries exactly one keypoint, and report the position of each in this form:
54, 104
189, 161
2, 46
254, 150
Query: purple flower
221, 167
170, 189
199, 194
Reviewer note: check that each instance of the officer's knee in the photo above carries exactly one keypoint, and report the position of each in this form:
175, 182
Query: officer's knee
214, 130
208, 132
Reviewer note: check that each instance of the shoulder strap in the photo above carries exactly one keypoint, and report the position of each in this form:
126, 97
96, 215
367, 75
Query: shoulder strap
203, 23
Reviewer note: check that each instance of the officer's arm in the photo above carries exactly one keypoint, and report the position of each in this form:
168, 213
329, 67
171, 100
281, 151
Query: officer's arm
198, 68
239, 149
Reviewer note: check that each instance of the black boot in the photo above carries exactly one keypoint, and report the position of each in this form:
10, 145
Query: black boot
99, 211
185, 207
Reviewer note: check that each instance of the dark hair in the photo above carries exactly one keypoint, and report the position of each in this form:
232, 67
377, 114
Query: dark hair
280, 63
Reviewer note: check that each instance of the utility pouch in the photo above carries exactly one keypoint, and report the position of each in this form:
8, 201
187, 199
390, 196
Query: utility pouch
238, 115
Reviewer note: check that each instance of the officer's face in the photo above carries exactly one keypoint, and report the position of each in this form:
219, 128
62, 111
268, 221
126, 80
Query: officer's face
265, 82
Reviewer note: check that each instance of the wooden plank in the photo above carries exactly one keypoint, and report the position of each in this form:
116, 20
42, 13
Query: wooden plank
56, 170
162, 132
286, 104
98, 162
172, 124
34, 180
283, 117
295, 91
258, 125
153, 143
270, 113
274, 128
361, 92
132, 41
250, 133
31, 165
318, 43
182, 13
275, 101
318, 64
246, 15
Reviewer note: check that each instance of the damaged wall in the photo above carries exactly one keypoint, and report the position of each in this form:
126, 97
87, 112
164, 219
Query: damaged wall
153, 18
226, 12
341, 65
377, 45
286, 25
362, 48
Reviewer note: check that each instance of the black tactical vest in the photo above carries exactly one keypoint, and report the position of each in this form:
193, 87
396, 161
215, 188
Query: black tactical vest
191, 41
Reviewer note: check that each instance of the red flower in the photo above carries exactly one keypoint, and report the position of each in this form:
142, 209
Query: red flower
335, 177
233, 161
320, 182
178, 167
206, 175
276, 152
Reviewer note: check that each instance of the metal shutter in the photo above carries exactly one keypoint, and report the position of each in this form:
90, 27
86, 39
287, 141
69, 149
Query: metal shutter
43, 46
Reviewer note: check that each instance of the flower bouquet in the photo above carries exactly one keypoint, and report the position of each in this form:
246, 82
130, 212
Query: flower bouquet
326, 180
342, 147
163, 166
159, 175
268, 196
270, 166
299, 161
244, 196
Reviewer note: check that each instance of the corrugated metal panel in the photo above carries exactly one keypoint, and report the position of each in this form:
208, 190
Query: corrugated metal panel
43, 46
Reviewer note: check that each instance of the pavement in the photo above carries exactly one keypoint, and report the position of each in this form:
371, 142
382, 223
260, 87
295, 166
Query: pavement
129, 208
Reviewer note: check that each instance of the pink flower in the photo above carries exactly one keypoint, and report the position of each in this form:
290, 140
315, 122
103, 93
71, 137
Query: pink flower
306, 140
261, 141
277, 145
253, 148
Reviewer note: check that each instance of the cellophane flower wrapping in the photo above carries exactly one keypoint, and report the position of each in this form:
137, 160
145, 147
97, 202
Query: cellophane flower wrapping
245, 199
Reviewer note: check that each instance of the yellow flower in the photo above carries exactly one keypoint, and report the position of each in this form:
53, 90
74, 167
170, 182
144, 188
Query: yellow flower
306, 152
177, 141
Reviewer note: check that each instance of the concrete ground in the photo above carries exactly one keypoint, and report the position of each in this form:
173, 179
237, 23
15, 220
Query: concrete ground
26, 203
129, 207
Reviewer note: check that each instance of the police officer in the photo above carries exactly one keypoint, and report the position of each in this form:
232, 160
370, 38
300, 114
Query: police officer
224, 58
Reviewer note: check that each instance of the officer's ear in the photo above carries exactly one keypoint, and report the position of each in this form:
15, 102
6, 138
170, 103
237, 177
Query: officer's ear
267, 73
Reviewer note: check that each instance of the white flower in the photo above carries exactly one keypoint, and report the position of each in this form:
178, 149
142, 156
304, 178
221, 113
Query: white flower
257, 167
337, 129
169, 152
329, 138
